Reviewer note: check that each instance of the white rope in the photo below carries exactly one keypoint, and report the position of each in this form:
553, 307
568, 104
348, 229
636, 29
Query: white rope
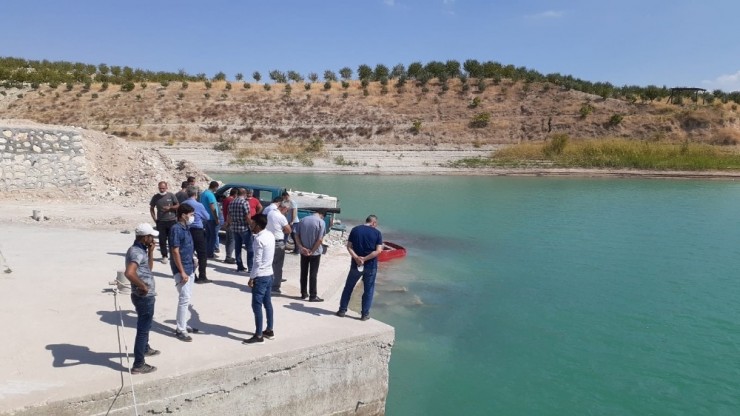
128, 359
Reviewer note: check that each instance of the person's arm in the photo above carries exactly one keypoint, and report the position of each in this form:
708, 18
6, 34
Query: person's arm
175, 206
318, 242
178, 264
132, 275
258, 207
151, 212
258, 253
214, 211
355, 257
374, 254
286, 229
150, 254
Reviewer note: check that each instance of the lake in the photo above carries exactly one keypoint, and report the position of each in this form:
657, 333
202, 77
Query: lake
553, 296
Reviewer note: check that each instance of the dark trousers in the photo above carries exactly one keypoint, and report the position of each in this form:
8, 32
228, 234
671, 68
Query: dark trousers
164, 233
210, 227
144, 306
277, 264
309, 271
199, 243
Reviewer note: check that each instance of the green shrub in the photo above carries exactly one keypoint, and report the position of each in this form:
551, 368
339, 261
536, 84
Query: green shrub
208, 85
327, 85
143, 85
316, 145
247, 86
165, 83
307, 86
227, 86
480, 120
267, 87
69, 86
184, 85
475, 103
416, 126
556, 145
585, 110
128, 86
615, 120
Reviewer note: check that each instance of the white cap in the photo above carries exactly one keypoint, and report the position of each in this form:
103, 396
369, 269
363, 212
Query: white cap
146, 229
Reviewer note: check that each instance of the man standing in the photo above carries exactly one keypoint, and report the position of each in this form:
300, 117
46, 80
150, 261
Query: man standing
208, 199
139, 263
238, 222
183, 194
166, 206
229, 243
183, 268
364, 244
260, 279
278, 225
292, 217
309, 237
198, 233
255, 207
273, 206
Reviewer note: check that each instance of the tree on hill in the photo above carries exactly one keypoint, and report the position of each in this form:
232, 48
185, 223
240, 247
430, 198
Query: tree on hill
257, 76
381, 71
414, 69
330, 76
313, 77
220, 76
364, 72
278, 76
452, 68
398, 71
345, 73
294, 76
239, 76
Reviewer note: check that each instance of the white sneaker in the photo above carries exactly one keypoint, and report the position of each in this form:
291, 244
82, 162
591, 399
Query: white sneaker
164, 260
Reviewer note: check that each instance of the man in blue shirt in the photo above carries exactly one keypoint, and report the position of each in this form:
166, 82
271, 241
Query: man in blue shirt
198, 233
208, 199
364, 244
183, 268
139, 262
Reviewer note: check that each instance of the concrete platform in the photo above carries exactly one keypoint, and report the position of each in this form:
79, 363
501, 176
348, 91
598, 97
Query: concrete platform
60, 350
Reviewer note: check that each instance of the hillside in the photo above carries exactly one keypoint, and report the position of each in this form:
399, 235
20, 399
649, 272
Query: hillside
239, 116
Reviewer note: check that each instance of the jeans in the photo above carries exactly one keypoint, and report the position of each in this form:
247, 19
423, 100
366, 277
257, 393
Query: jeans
244, 239
229, 244
277, 264
199, 242
216, 240
261, 297
210, 228
309, 271
144, 306
368, 281
164, 232
184, 293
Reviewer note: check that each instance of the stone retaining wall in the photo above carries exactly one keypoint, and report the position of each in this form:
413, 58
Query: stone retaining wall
32, 158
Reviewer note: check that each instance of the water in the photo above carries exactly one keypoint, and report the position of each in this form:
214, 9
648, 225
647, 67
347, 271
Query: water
553, 296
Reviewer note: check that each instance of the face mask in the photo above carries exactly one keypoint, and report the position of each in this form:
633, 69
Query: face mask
191, 220
163, 193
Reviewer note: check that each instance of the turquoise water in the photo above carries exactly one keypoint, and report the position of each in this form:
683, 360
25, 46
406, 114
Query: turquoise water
553, 296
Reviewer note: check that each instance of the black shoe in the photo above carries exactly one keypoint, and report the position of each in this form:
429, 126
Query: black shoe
276, 291
203, 280
183, 337
341, 314
283, 280
254, 340
268, 333
304, 297
193, 330
315, 299
151, 352
230, 260
143, 369
240, 269
364, 317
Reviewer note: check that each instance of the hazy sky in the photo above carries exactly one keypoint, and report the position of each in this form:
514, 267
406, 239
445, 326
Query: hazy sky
663, 42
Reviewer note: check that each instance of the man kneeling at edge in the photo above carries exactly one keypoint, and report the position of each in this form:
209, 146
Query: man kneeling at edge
183, 268
260, 278
364, 244
139, 262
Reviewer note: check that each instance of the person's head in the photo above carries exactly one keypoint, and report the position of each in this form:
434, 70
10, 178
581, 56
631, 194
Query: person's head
321, 212
259, 223
213, 185
243, 193
233, 192
249, 193
277, 200
371, 220
184, 185
191, 180
162, 187
184, 213
145, 234
286, 196
284, 207
192, 191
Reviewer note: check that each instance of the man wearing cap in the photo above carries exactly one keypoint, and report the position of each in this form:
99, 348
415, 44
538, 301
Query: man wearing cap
139, 263
164, 216
183, 268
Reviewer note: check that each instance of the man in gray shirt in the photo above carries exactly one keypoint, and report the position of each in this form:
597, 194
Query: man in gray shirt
309, 237
163, 207
139, 262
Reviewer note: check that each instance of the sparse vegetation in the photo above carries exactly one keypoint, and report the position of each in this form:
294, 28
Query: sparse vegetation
480, 120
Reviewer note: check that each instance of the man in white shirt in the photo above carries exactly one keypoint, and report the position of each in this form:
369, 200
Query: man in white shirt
260, 278
278, 225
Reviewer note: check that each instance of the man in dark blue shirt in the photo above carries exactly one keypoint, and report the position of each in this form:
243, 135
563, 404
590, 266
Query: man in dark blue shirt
364, 244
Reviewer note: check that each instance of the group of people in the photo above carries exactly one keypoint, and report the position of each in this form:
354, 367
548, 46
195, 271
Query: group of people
187, 227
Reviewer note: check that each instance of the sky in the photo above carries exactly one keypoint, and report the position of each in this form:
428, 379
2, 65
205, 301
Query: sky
675, 43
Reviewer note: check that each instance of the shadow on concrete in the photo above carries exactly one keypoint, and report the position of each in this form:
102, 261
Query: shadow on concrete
300, 307
116, 254
234, 285
163, 275
68, 355
210, 329
129, 321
